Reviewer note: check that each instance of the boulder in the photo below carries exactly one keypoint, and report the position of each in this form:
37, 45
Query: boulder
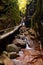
32, 37
5, 52
19, 43
12, 48
22, 29
7, 61
26, 33
13, 55
1, 62
20, 36
32, 32
34, 44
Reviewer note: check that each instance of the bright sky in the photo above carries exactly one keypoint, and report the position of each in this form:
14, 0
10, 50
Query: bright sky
22, 4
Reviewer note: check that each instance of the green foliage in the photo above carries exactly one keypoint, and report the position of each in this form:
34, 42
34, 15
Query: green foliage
37, 14
22, 5
13, 11
29, 1
36, 20
10, 15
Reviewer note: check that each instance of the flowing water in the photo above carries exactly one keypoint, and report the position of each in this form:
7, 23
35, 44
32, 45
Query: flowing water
27, 47
21, 54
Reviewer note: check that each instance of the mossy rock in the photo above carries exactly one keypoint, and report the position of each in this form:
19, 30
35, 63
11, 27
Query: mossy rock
12, 48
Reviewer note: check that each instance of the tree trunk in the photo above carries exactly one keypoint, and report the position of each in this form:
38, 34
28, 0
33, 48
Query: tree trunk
36, 20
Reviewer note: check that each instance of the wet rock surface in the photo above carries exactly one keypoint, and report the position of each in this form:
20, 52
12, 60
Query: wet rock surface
24, 50
12, 48
20, 43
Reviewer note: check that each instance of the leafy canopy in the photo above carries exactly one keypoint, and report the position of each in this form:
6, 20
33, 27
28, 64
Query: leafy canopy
22, 5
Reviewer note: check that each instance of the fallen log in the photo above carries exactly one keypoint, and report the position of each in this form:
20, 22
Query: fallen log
9, 33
